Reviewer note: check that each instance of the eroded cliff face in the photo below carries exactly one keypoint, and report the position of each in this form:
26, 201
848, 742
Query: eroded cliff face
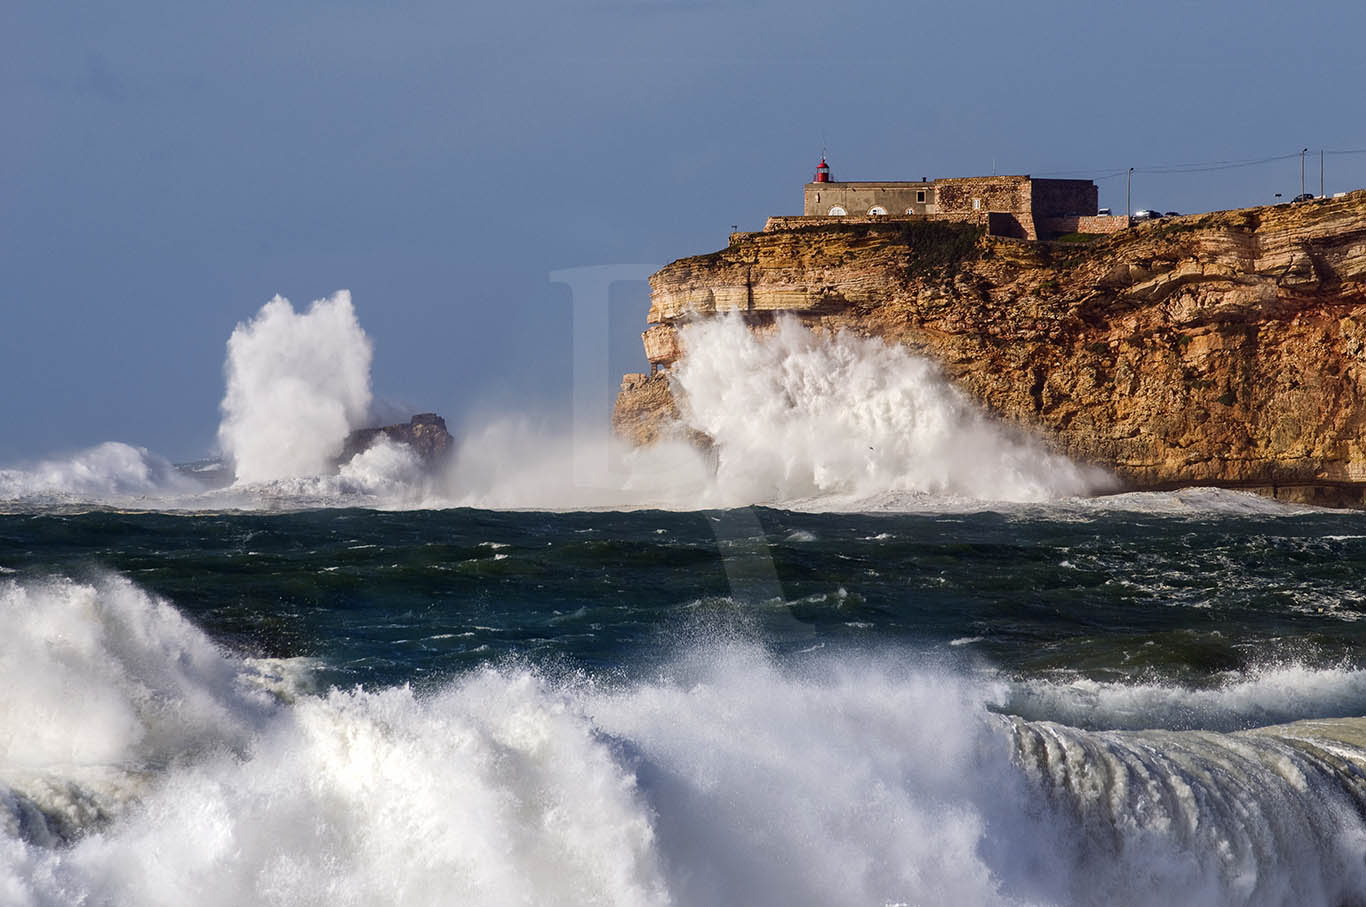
1223, 349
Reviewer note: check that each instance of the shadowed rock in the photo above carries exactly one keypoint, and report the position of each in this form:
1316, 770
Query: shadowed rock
425, 433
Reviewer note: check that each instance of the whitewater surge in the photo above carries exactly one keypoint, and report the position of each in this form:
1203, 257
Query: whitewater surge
112, 470
144, 765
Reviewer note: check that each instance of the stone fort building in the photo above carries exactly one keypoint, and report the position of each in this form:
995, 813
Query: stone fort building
1018, 206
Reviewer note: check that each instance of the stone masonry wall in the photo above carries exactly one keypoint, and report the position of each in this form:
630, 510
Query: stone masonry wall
1055, 226
994, 193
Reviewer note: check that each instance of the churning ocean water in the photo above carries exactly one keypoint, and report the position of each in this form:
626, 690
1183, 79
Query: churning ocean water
941, 666
1061, 705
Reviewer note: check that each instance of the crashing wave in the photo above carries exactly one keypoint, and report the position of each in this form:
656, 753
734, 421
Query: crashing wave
143, 764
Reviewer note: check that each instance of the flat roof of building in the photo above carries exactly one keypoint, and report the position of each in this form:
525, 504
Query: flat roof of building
948, 179
872, 183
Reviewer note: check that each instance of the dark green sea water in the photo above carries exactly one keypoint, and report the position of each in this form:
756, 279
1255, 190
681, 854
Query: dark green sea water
383, 598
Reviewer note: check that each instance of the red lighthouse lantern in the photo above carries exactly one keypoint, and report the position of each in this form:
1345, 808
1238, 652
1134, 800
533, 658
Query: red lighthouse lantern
823, 172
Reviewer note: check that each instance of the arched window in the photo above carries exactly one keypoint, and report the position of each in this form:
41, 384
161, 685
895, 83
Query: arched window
877, 209
837, 211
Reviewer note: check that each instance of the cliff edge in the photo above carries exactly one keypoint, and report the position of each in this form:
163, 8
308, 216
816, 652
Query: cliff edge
1224, 349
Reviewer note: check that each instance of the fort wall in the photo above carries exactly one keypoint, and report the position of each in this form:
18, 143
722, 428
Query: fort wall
1010, 205
1103, 223
859, 199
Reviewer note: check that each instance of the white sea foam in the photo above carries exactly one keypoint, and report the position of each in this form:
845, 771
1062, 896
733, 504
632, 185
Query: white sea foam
1199, 501
296, 385
100, 686
385, 475
124, 670
112, 471
142, 765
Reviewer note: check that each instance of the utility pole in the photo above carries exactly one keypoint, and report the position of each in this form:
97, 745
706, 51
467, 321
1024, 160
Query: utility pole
1129, 199
1302, 154
1322, 194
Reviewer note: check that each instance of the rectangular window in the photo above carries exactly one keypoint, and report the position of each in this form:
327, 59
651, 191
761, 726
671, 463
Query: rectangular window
977, 204
920, 196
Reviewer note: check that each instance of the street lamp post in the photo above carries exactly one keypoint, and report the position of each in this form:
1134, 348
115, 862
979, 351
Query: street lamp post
1302, 154
1129, 199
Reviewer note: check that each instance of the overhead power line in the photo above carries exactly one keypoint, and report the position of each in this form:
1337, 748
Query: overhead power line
1198, 167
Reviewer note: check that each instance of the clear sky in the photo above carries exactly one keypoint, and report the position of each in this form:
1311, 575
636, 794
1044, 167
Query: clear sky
167, 167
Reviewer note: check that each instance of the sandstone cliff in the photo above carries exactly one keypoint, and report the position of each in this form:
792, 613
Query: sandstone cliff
1223, 349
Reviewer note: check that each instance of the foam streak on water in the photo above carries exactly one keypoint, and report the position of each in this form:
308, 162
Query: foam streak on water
143, 765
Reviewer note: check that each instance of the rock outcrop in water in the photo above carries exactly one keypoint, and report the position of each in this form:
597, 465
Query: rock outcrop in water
1224, 349
425, 433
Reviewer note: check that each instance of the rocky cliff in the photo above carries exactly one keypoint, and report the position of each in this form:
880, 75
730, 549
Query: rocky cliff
1224, 349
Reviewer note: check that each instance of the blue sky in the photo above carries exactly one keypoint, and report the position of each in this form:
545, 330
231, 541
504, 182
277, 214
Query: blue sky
168, 167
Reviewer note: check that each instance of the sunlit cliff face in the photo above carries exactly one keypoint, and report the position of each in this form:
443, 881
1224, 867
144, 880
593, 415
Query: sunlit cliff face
1225, 349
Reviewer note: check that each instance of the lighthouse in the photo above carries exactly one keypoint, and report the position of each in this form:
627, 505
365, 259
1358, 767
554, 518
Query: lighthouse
823, 172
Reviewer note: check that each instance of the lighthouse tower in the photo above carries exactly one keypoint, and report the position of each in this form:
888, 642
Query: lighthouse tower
823, 172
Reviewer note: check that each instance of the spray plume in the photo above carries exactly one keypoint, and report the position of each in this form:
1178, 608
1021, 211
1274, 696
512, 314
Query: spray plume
297, 384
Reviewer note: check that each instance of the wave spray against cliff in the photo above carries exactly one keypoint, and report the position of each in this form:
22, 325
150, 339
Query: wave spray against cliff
797, 415
797, 419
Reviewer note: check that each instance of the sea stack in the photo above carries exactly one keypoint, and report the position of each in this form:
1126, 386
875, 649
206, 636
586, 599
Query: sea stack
425, 433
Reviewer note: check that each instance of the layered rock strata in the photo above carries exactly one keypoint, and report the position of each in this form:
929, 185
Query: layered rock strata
1224, 349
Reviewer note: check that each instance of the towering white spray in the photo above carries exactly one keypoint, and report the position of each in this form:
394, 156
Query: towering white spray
796, 415
297, 384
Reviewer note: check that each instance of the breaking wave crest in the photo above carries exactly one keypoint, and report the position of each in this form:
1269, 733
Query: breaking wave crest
1273, 694
145, 765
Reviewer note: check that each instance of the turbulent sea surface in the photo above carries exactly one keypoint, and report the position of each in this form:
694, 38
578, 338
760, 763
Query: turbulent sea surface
1136, 699
943, 668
